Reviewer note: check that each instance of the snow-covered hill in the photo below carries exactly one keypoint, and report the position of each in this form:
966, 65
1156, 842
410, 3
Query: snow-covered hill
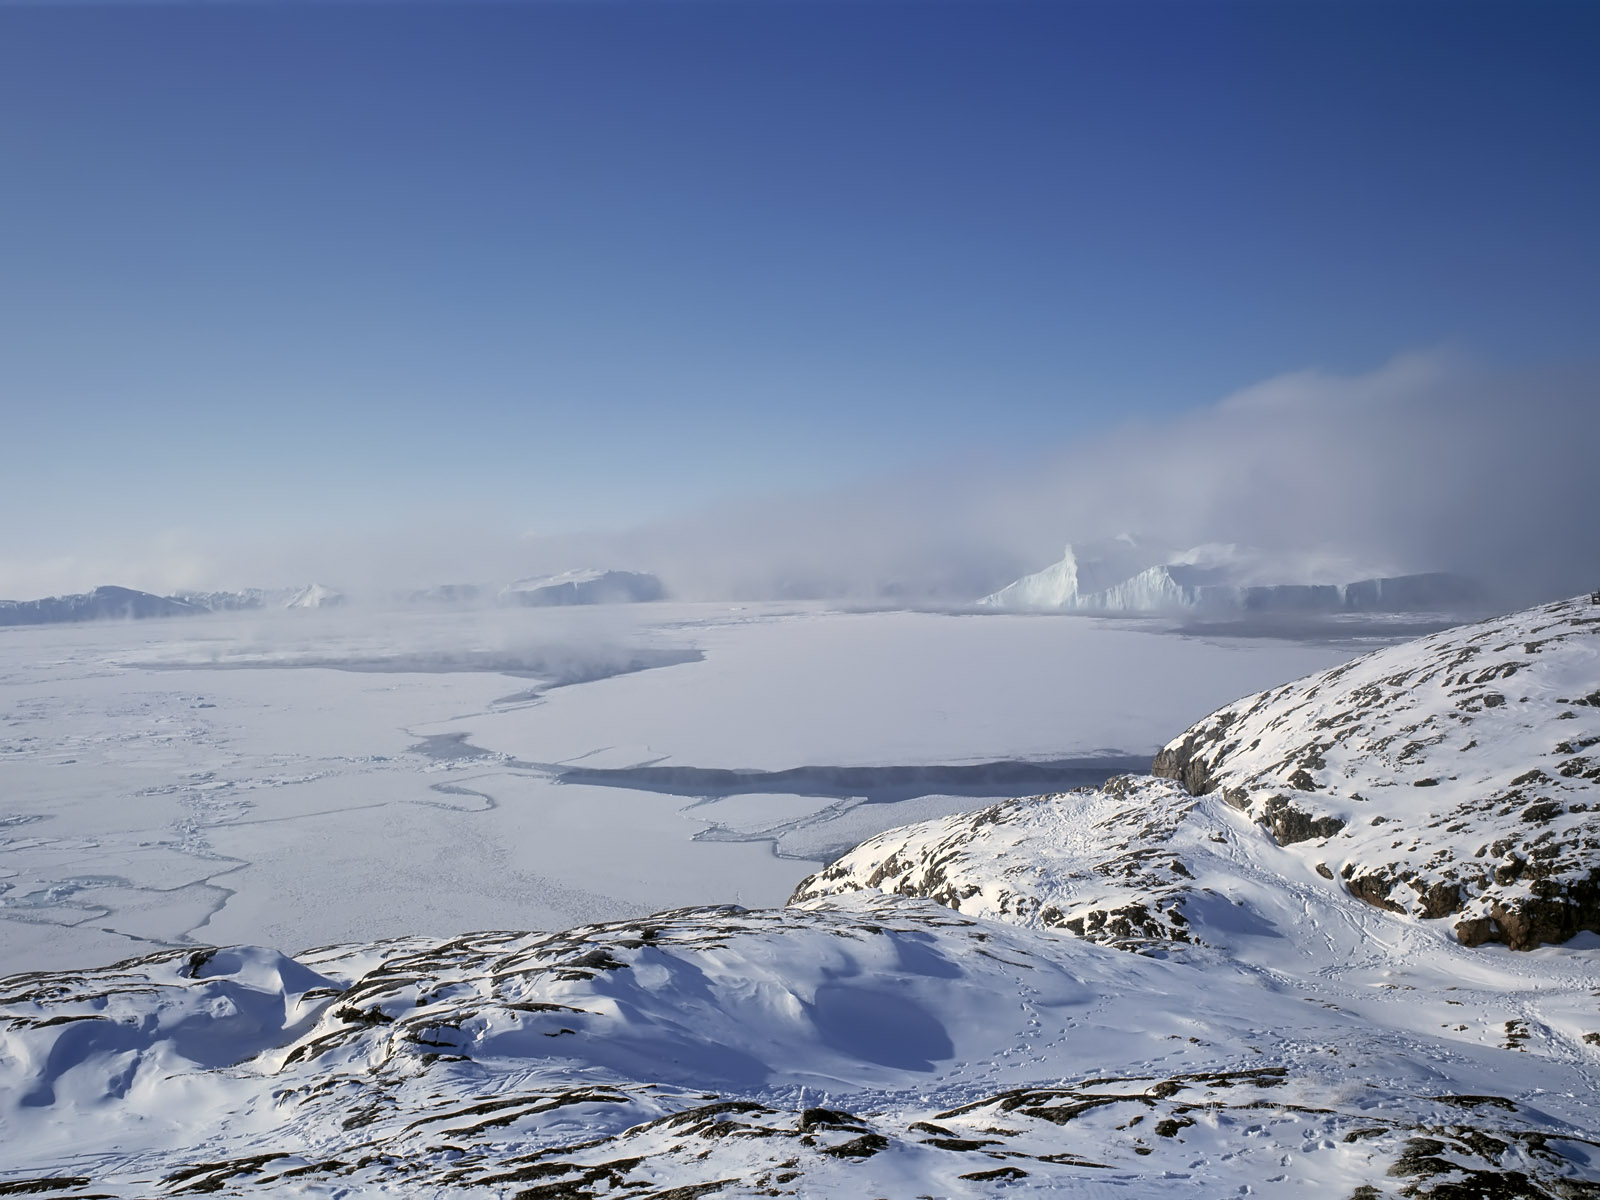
1126, 577
102, 604
950, 1009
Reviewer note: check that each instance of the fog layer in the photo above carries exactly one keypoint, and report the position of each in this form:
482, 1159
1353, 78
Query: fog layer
1429, 463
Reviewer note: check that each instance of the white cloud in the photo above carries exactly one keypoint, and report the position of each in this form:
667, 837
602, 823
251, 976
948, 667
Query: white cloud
1431, 462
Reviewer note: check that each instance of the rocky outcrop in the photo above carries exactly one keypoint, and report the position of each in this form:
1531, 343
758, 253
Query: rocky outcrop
1181, 760
1099, 863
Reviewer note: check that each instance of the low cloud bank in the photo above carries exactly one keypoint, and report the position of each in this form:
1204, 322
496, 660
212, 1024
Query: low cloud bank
1430, 463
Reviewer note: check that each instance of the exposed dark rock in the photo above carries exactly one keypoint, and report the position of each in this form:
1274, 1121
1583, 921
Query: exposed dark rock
1438, 899
1290, 824
1374, 889
997, 1174
1182, 761
51, 1183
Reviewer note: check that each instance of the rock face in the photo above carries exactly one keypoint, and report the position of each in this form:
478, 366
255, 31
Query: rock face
1455, 776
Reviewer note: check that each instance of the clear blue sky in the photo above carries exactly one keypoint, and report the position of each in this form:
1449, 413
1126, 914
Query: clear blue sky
550, 265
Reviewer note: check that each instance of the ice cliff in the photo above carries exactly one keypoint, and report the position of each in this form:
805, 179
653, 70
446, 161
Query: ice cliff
1119, 577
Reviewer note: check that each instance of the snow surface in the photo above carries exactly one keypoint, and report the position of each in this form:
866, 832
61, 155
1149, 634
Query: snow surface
1283, 1037
879, 1046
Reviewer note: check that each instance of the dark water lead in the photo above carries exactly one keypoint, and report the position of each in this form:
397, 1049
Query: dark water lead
874, 785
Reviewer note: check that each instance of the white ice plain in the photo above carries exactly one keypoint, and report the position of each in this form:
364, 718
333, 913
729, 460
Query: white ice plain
301, 779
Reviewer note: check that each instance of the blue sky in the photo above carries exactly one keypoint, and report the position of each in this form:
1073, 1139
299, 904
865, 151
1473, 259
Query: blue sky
274, 270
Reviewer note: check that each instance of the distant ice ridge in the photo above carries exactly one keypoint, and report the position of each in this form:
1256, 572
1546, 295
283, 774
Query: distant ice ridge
102, 604
236, 601
587, 586
1120, 577
311, 595
314, 595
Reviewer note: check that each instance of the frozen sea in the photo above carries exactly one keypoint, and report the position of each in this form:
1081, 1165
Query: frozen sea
299, 779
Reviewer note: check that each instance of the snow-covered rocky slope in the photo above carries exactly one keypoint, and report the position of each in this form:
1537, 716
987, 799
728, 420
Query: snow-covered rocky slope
1455, 776
878, 1046
947, 1011
1115, 864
